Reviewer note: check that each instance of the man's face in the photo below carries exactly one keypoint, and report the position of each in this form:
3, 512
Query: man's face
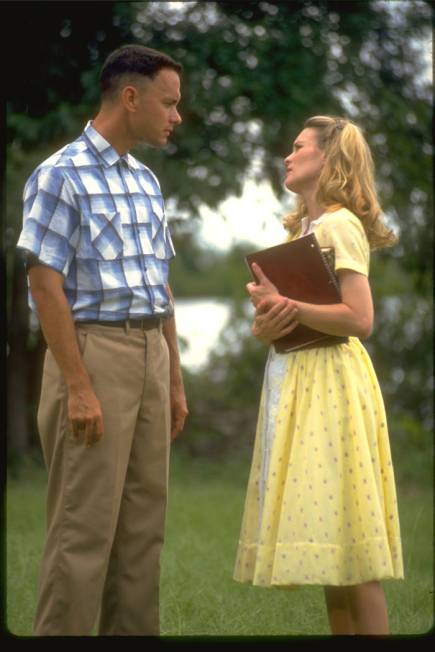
156, 108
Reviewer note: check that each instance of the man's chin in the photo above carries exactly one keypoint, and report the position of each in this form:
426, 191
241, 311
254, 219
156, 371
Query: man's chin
155, 144
160, 142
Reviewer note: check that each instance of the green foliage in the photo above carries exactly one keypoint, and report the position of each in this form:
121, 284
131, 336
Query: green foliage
197, 272
401, 345
223, 398
254, 71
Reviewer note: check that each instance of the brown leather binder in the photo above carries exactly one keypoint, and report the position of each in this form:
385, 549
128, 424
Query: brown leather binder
300, 271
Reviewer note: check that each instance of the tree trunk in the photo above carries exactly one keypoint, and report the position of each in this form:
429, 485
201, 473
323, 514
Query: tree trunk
18, 435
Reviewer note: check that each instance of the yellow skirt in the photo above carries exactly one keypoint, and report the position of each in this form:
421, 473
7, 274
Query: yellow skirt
321, 502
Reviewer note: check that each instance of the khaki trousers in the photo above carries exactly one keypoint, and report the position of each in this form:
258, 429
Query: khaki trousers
106, 504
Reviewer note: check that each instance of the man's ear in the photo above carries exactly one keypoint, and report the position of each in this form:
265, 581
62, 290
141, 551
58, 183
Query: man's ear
129, 98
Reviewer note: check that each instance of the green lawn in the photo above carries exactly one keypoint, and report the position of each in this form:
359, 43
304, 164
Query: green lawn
198, 595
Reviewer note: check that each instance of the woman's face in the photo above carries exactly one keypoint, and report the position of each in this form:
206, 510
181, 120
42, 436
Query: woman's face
304, 164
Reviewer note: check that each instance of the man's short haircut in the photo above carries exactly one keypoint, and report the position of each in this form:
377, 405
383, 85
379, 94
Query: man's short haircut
131, 61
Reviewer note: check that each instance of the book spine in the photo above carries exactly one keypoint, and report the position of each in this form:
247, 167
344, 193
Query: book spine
297, 347
330, 271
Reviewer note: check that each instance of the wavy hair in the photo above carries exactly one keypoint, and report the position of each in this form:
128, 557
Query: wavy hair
346, 180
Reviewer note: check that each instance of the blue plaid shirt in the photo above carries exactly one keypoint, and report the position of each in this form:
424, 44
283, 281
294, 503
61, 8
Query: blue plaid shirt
99, 219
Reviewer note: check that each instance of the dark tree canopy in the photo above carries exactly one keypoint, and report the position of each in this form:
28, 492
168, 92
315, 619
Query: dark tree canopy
254, 71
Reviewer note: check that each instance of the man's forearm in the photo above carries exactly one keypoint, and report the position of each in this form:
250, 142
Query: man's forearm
84, 410
56, 320
179, 409
57, 326
170, 334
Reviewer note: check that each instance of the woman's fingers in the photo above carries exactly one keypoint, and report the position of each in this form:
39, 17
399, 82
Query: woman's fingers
262, 278
274, 318
288, 329
278, 315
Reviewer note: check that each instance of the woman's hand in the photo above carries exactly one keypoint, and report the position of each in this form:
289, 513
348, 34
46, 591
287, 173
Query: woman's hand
264, 289
275, 317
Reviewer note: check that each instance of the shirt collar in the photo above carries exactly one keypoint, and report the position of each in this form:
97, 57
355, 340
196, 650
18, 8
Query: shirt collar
304, 223
103, 148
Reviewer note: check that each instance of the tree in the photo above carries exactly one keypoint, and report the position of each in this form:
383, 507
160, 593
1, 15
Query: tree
253, 72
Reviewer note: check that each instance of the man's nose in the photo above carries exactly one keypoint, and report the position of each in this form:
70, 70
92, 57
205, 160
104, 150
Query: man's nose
177, 119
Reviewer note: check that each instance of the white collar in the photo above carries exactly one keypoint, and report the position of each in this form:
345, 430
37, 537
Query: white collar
304, 223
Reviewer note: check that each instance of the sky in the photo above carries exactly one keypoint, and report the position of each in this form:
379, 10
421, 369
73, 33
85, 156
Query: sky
255, 217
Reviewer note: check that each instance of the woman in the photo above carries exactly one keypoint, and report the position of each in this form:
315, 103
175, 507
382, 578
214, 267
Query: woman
321, 502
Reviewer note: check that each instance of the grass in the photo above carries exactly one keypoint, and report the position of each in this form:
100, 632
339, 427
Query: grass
198, 595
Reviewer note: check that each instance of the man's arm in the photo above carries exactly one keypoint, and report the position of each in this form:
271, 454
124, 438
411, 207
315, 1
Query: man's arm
57, 325
179, 409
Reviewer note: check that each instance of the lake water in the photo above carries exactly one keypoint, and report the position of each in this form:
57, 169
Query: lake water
199, 325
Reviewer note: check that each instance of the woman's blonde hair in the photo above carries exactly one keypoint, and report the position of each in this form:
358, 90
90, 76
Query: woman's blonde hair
346, 180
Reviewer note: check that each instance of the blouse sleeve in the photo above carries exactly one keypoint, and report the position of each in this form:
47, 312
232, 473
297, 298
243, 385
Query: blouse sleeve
346, 234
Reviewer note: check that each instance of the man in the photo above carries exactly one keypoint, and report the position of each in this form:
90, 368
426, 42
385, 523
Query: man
97, 247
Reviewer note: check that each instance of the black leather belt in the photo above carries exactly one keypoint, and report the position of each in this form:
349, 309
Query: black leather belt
145, 324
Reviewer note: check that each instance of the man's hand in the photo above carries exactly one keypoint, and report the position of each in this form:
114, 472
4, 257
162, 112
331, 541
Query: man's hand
84, 413
275, 317
264, 289
179, 411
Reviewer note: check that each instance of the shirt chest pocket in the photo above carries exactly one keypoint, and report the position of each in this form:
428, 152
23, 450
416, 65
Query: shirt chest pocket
106, 235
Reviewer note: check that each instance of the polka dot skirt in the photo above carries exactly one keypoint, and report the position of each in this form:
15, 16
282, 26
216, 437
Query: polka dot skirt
321, 501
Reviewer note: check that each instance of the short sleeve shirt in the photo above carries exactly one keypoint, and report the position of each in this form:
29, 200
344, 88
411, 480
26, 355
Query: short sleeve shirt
98, 218
344, 232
